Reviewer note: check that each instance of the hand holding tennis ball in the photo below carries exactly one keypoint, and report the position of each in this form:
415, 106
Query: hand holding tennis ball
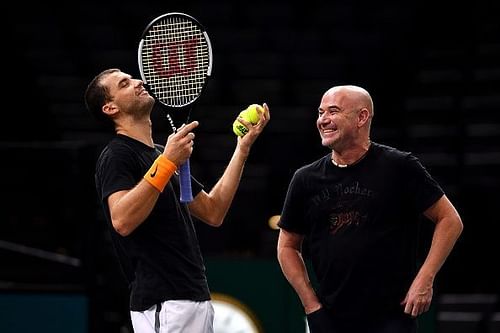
250, 114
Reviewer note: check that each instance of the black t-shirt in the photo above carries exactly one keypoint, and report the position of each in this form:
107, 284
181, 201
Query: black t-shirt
161, 259
361, 224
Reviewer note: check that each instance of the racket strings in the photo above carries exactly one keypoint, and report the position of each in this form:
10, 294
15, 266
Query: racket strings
176, 60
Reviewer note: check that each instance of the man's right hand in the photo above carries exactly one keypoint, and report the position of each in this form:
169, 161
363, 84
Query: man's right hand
179, 146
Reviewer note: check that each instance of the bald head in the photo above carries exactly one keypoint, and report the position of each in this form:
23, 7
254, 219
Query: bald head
344, 117
355, 96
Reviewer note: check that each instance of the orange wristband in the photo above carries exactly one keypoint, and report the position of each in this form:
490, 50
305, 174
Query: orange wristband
160, 172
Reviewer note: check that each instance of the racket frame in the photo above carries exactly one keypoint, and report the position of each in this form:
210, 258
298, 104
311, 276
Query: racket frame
184, 170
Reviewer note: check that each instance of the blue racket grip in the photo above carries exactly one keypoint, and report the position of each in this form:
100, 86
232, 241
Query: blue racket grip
185, 185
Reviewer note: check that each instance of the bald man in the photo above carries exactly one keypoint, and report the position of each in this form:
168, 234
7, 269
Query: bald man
359, 207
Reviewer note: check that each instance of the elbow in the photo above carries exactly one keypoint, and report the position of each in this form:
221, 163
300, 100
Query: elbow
212, 216
278, 256
121, 228
455, 226
215, 221
279, 253
460, 226
218, 223
208, 210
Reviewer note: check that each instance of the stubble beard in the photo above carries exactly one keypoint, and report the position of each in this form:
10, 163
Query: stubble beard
145, 108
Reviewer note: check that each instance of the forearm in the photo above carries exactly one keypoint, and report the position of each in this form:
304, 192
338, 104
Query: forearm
222, 194
294, 270
129, 209
445, 236
446, 232
212, 207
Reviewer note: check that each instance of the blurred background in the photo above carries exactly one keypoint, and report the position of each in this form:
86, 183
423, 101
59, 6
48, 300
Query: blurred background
433, 71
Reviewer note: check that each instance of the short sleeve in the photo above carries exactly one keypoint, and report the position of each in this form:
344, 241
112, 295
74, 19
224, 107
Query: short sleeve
293, 213
424, 188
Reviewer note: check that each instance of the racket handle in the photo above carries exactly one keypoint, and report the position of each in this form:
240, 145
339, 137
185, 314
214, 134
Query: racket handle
185, 182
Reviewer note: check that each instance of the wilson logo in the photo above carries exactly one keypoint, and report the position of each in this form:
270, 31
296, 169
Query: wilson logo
180, 58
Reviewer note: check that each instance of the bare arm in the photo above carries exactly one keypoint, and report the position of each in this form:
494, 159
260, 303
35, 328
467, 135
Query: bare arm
130, 208
212, 207
446, 232
293, 267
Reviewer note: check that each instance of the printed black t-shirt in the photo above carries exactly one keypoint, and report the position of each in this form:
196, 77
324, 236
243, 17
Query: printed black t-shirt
361, 226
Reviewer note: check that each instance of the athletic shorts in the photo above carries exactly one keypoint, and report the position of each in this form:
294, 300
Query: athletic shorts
175, 317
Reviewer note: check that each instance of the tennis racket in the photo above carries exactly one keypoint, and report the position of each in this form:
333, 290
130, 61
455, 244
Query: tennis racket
175, 62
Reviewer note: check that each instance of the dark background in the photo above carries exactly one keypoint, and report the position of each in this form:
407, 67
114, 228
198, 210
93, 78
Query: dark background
432, 68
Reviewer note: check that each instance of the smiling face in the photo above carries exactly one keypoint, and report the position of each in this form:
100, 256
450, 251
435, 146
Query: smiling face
128, 95
344, 117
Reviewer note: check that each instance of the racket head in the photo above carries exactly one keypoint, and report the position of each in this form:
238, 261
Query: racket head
175, 59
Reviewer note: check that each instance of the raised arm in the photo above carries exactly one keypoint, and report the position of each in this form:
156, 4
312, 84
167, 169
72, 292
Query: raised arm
212, 207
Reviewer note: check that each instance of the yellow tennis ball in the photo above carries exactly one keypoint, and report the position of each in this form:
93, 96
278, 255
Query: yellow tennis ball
252, 113
239, 129
245, 115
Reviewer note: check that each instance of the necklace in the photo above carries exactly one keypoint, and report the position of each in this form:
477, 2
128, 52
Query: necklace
339, 165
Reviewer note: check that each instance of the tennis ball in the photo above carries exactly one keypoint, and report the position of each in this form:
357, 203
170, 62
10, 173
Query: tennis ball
250, 114
239, 129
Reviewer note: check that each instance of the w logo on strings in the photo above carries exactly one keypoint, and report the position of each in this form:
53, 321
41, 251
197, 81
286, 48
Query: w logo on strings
175, 58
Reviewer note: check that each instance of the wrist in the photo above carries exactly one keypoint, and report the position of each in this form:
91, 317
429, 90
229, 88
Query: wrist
160, 172
244, 151
312, 308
